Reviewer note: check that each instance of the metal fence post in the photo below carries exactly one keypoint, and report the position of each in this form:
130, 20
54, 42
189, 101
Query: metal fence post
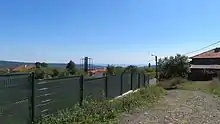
139, 80
131, 81
148, 80
121, 90
106, 86
81, 89
33, 88
144, 80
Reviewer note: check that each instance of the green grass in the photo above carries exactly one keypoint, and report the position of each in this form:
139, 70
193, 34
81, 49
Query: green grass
105, 111
198, 85
212, 87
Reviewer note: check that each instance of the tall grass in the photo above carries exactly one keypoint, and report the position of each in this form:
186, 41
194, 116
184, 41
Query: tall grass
105, 111
205, 86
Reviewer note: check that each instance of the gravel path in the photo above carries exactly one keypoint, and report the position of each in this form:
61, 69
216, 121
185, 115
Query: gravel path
180, 107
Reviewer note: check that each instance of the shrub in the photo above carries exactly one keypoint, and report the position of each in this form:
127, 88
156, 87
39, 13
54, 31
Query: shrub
105, 111
171, 84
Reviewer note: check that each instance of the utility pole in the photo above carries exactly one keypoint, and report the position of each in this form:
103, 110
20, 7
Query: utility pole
156, 68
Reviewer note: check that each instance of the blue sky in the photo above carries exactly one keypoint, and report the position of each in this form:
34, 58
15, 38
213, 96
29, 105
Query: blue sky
109, 31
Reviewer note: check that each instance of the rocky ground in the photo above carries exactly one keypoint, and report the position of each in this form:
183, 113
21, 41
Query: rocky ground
179, 107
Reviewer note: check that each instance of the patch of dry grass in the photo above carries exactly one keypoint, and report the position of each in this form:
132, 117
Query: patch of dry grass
171, 84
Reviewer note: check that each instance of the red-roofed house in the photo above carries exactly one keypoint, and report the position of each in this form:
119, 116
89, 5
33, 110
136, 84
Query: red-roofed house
204, 66
23, 68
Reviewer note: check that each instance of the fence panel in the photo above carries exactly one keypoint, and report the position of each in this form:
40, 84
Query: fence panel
114, 86
142, 80
126, 78
147, 80
134, 80
94, 88
56, 94
15, 94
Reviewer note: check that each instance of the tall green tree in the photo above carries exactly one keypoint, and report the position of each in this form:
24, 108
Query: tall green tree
55, 72
71, 67
38, 65
43, 64
110, 69
149, 65
174, 66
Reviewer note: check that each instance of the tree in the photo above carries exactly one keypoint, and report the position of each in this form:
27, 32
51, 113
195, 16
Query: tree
43, 64
71, 67
39, 73
110, 69
149, 65
38, 64
55, 72
174, 66
132, 68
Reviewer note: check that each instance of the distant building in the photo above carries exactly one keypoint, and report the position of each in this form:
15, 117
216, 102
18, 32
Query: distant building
97, 71
23, 68
205, 66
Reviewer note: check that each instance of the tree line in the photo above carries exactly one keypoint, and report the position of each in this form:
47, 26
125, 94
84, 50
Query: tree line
168, 67
42, 70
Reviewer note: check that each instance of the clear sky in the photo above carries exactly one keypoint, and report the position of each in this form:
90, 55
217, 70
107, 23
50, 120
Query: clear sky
109, 31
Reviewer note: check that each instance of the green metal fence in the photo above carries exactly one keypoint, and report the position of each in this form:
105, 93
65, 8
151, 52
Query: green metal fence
15, 94
113, 88
25, 100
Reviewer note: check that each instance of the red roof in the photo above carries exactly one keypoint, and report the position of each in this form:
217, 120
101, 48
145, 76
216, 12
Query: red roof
214, 53
23, 67
96, 71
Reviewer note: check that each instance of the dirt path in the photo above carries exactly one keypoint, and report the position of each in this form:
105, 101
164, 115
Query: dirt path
180, 107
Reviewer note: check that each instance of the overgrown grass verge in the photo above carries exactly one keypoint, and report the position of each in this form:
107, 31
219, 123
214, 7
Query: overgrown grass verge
106, 111
212, 87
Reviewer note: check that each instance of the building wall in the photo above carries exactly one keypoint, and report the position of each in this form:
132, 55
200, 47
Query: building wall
215, 61
202, 74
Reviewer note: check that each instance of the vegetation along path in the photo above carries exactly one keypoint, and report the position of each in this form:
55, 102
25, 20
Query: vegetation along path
180, 107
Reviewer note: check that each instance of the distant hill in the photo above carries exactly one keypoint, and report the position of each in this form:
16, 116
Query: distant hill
12, 64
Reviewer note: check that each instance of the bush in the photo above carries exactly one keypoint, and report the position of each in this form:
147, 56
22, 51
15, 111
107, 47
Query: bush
174, 66
105, 111
171, 84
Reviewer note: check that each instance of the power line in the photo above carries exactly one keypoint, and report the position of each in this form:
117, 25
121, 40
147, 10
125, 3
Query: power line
202, 48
